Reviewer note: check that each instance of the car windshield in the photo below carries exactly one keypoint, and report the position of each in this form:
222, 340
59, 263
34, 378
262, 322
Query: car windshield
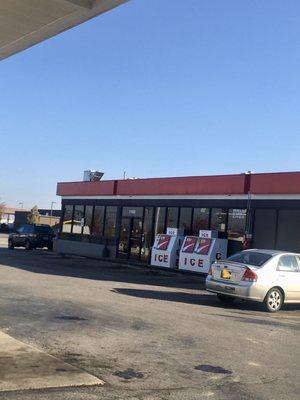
254, 258
43, 229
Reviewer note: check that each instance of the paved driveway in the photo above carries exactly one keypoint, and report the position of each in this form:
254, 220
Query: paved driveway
148, 335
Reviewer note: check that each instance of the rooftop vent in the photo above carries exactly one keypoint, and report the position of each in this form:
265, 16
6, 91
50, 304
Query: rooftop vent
92, 176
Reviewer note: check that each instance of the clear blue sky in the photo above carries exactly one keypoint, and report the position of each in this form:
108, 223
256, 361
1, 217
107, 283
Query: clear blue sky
156, 88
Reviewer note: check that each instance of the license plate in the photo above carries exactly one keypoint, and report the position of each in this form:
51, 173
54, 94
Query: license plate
231, 289
226, 274
45, 237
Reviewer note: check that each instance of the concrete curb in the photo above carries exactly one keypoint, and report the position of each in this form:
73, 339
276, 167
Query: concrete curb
23, 367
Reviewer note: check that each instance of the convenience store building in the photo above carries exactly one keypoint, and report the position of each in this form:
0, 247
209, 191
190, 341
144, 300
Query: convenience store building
120, 218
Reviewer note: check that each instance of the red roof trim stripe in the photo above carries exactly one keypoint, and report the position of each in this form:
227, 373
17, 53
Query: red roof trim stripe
265, 183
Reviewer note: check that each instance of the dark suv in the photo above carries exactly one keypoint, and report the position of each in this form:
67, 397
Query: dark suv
31, 237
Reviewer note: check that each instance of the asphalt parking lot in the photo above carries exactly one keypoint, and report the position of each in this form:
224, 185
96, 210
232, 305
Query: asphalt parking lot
147, 334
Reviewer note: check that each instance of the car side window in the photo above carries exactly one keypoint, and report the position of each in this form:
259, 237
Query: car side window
288, 264
20, 230
298, 259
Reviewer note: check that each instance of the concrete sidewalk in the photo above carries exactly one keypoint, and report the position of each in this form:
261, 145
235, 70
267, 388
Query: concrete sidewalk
24, 367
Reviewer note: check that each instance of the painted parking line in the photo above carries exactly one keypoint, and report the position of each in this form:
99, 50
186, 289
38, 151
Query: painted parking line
24, 367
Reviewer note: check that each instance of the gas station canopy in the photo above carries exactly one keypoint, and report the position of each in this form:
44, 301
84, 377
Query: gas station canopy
24, 23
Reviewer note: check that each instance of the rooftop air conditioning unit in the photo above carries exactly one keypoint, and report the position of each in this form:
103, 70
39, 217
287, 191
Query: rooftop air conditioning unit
92, 176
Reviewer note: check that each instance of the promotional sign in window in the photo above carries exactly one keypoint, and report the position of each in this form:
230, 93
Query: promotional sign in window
163, 242
203, 246
189, 244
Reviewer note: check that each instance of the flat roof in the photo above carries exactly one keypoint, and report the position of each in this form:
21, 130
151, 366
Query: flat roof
12, 210
24, 23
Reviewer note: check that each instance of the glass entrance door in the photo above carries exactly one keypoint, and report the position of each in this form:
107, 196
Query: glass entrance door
123, 248
135, 238
130, 238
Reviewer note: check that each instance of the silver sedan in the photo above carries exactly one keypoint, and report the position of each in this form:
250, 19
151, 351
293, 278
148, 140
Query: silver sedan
267, 276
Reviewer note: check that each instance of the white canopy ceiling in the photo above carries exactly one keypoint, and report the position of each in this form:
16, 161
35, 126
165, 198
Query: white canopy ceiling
24, 23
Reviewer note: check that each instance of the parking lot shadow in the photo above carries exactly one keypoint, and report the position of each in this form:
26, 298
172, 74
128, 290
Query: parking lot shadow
181, 297
44, 262
238, 308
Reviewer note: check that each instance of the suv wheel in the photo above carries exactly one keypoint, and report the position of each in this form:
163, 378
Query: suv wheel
11, 245
274, 300
27, 245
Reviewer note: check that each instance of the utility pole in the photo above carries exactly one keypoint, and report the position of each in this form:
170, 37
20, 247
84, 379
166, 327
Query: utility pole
52, 202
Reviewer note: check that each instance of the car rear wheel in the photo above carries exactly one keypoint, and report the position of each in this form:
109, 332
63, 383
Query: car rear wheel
273, 300
28, 245
11, 245
225, 299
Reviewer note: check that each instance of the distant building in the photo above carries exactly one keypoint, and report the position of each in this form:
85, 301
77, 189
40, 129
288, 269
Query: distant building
45, 217
7, 216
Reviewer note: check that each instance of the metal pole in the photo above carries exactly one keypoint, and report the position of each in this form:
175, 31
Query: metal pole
52, 202
248, 226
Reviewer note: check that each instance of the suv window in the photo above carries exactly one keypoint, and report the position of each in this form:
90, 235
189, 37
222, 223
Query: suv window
30, 229
288, 263
43, 230
27, 229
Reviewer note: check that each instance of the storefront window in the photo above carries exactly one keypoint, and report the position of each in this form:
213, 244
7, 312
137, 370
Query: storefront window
67, 221
218, 219
264, 235
87, 229
185, 219
236, 224
98, 221
147, 234
160, 216
77, 219
110, 221
288, 234
172, 217
200, 220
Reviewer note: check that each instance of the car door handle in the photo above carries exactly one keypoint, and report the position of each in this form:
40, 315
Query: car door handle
282, 276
